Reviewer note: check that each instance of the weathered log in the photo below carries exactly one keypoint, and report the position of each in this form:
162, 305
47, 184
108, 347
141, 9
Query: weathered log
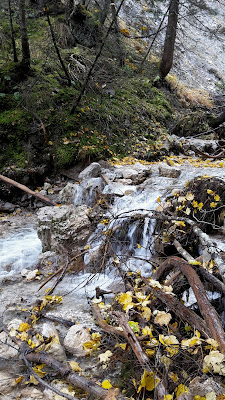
39, 196
207, 310
160, 390
77, 380
202, 271
184, 313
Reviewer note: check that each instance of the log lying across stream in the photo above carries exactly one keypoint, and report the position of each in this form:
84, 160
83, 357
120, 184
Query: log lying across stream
39, 196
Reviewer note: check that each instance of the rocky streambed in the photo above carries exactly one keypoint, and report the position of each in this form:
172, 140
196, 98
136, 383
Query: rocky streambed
36, 244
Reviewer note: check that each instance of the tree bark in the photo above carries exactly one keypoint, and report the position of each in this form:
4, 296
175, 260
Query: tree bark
168, 51
15, 58
24, 35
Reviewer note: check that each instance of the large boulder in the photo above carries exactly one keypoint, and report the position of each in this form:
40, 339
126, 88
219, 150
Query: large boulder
92, 171
65, 227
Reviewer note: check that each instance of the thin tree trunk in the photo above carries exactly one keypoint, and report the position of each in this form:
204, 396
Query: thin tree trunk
117, 33
15, 58
77, 102
24, 35
168, 51
56, 47
105, 11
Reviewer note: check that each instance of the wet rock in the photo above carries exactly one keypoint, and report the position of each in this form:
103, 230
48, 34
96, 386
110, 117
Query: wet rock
66, 195
200, 386
8, 349
48, 261
54, 347
77, 335
14, 324
66, 226
7, 383
169, 172
31, 275
129, 173
116, 189
32, 393
7, 207
92, 171
125, 181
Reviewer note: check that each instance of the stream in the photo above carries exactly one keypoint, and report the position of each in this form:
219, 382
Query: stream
130, 193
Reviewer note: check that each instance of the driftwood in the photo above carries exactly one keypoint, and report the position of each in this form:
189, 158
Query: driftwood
39, 196
75, 379
208, 312
200, 270
184, 313
160, 390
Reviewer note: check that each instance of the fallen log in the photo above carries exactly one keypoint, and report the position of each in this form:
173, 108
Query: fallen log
160, 390
39, 196
207, 310
184, 313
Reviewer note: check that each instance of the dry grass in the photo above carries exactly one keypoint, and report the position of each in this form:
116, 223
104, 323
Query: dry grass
190, 96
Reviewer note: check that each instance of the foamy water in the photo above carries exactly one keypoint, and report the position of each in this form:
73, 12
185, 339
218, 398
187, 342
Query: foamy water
19, 250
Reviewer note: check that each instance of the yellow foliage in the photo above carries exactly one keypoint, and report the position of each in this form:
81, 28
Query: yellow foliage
181, 389
24, 326
106, 384
148, 381
162, 318
75, 366
126, 300
171, 343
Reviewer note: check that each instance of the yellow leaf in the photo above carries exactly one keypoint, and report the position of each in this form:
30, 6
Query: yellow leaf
33, 380
173, 376
134, 326
217, 197
146, 313
148, 381
213, 204
38, 370
139, 246
126, 300
87, 247
106, 384
214, 361
181, 389
105, 357
24, 326
171, 343
190, 196
209, 191
162, 318
159, 199
194, 262
147, 331
168, 397
75, 366
19, 379
150, 352
122, 345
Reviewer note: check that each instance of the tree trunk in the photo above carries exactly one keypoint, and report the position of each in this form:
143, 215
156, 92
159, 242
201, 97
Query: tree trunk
24, 35
168, 51
15, 58
105, 11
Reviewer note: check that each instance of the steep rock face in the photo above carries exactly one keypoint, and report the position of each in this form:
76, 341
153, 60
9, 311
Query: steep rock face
65, 227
